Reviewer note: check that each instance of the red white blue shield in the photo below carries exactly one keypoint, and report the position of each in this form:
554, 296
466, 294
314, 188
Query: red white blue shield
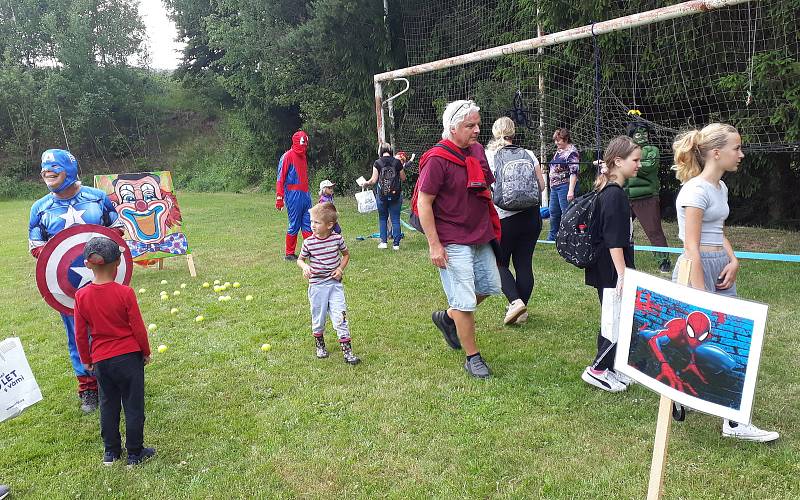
60, 271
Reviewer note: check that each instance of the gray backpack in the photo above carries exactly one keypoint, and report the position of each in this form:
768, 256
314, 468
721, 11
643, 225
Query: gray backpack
515, 184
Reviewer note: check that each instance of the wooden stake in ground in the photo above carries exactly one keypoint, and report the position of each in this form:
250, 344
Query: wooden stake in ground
658, 466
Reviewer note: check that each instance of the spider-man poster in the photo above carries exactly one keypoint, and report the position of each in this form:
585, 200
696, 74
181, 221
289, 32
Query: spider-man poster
697, 348
147, 205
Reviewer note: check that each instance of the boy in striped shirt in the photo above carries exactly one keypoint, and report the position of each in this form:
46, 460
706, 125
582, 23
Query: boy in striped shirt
323, 258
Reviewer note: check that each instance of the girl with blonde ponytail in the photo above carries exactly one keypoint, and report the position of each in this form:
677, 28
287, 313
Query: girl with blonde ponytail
702, 157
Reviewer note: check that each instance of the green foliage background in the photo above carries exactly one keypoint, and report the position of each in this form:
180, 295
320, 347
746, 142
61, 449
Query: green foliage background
255, 71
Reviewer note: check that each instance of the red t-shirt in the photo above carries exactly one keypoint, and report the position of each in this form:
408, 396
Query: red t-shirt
461, 216
111, 314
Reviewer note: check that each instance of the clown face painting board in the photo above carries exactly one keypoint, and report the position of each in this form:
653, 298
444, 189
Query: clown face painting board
147, 205
697, 348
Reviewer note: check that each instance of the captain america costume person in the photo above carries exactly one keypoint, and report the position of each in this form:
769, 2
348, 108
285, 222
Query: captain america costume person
291, 191
68, 204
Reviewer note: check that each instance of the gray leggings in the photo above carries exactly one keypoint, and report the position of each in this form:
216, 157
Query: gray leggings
713, 263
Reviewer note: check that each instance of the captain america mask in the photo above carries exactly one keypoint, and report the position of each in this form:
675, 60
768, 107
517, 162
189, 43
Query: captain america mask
58, 161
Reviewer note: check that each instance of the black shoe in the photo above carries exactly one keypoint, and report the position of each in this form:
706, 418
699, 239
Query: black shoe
665, 267
290, 257
110, 457
477, 367
141, 457
88, 401
448, 328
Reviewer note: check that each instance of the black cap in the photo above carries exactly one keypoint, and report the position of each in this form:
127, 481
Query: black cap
105, 248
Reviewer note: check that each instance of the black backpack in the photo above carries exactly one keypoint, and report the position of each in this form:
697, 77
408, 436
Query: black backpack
574, 237
515, 184
388, 177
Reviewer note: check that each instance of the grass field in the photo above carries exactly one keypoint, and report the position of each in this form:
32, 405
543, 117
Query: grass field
230, 421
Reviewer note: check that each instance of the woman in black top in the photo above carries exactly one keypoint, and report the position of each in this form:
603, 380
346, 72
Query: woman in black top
388, 194
613, 238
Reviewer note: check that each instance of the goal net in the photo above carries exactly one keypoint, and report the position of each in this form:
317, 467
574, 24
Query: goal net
735, 64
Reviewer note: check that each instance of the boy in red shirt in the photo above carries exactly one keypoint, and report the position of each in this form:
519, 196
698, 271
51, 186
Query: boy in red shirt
118, 351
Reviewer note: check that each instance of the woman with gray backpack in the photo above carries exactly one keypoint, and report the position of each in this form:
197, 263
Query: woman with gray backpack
516, 195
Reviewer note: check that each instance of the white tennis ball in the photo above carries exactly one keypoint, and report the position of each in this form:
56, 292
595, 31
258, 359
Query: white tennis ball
142, 290
216, 282
174, 310
248, 298
183, 285
176, 293
165, 297
151, 327
163, 282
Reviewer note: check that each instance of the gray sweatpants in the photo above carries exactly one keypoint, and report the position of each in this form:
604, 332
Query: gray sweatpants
713, 264
327, 299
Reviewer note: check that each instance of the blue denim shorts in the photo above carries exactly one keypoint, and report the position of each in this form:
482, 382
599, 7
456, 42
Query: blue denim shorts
471, 270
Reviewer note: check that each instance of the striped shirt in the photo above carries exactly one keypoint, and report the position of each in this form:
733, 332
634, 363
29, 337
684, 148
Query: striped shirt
323, 255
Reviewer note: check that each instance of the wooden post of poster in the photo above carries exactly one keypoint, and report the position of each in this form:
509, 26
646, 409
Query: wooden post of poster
658, 466
190, 261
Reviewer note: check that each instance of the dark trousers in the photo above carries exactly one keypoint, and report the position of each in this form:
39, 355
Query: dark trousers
648, 211
606, 350
517, 243
121, 383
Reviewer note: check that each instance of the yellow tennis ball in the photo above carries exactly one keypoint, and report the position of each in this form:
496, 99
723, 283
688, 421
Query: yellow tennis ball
174, 310
199, 318
265, 347
151, 327
162, 292
142, 290
163, 282
162, 348
248, 298
183, 285
236, 284
176, 293
206, 284
165, 297
216, 282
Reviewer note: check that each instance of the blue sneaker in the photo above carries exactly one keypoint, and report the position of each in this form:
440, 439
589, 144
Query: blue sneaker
141, 457
110, 457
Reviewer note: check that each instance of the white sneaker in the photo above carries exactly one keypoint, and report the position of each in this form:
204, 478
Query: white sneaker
522, 318
602, 380
748, 432
514, 311
382, 245
395, 247
622, 378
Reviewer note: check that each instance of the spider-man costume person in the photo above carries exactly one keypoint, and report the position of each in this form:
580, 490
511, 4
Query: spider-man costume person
69, 204
686, 334
291, 191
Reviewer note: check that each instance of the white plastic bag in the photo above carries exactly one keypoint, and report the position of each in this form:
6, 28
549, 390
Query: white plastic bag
609, 317
18, 388
366, 201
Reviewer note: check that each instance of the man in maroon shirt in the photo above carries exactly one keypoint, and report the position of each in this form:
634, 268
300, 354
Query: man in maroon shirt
458, 218
118, 351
